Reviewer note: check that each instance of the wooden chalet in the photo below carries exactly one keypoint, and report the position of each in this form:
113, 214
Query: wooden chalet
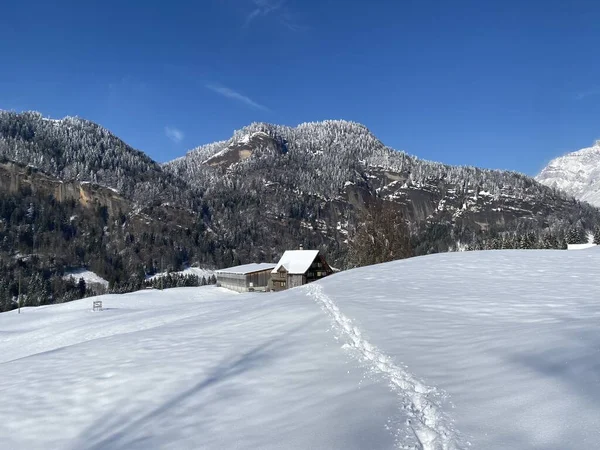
298, 267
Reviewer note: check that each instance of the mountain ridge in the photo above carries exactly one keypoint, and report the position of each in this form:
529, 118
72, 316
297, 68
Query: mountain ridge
78, 149
266, 189
577, 173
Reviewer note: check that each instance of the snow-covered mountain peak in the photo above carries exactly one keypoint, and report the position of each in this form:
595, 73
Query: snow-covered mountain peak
247, 137
593, 150
577, 173
244, 146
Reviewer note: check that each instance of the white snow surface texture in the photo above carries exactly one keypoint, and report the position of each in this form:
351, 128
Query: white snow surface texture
481, 350
89, 277
576, 173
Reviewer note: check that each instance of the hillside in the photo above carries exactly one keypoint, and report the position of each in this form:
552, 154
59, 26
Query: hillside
576, 173
489, 350
76, 149
316, 176
50, 227
74, 196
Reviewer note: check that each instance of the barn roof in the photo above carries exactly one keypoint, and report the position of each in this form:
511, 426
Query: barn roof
296, 261
247, 268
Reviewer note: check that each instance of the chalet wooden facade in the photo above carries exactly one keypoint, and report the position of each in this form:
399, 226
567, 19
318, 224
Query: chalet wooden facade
298, 267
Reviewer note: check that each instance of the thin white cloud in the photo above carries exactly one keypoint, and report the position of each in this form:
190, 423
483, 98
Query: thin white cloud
588, 93
174, 134
253, 15
276, 8
263, 8
230, 93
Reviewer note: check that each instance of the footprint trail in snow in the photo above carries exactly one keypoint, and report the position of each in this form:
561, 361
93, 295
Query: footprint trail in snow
432, 429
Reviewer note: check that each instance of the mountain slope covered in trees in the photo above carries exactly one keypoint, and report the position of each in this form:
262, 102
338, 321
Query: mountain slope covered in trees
74, 195
77, 149
321, 174
49, 227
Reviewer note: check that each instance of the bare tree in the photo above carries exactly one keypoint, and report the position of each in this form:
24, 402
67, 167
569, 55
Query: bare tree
381, 235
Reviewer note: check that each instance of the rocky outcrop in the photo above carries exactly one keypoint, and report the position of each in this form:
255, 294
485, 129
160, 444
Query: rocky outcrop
577, 174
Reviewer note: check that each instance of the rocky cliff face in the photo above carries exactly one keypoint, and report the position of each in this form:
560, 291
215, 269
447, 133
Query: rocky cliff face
258, 144
14, 178
577, 174
76, 149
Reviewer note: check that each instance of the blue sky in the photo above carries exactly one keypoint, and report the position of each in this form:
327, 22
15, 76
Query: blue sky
494, 84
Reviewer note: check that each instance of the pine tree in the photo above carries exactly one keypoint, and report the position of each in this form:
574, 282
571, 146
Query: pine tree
576, 235
81, 288
549, 241
530, 240
597, 235
35, 294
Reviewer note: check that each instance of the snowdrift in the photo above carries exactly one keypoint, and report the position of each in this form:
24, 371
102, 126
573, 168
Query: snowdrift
491, 350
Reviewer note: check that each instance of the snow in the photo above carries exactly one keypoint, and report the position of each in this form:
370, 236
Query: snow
244, 140
580, 246
296, 261
47, 119
188, 271
185, 368
510, 336
217, 155
491, 350
247, 268
576, 173
87, 275
241, 141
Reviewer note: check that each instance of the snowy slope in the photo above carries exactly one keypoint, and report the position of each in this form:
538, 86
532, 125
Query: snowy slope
89, 277
189, 271
188, 368
576, 173
490, 350
511, 336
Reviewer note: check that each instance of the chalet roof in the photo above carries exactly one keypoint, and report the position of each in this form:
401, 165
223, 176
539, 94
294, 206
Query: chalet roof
296, 262
247, 268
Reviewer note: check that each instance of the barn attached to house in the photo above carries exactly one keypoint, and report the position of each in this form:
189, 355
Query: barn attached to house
298, 267
246, 278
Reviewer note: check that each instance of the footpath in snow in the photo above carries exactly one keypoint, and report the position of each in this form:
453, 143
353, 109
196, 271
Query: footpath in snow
432, 429
185, 368
511, 337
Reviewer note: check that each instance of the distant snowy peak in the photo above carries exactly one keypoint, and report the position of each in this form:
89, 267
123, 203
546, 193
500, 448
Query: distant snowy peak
577, 174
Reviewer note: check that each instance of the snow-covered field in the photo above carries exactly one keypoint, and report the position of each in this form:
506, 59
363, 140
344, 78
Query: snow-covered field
482, 350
